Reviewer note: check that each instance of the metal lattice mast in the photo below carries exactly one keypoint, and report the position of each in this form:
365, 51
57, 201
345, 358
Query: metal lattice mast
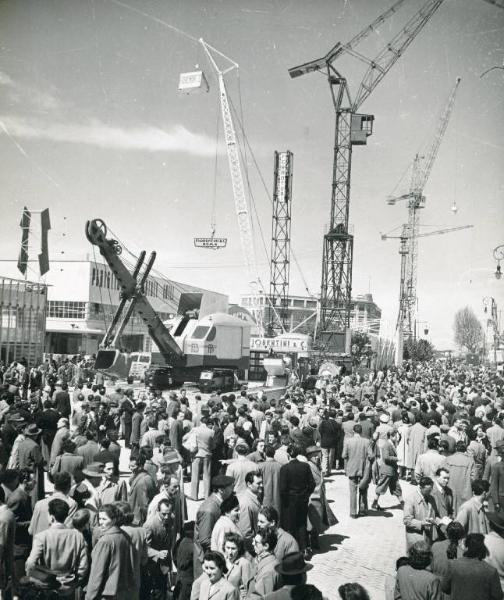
280, 243
351, 129
421, 171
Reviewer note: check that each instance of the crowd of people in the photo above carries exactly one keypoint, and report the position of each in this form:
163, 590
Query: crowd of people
73, 524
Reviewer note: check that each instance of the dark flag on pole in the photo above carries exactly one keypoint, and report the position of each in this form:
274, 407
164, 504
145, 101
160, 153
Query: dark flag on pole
23, 254
43, 257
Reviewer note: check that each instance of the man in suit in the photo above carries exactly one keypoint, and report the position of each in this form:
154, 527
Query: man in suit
442, 494
206, 517
62, 401
296, 486
160, 541
356, 455
142, 489
202, 459
270, 471
250, 505
90, 449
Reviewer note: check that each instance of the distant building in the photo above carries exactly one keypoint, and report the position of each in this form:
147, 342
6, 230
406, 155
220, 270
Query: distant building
301, 312
23, 307
82, 297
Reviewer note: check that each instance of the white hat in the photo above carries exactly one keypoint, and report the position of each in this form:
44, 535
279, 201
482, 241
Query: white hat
384, 418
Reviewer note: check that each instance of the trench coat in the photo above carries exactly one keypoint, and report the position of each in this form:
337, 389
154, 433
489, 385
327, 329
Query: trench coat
112, 570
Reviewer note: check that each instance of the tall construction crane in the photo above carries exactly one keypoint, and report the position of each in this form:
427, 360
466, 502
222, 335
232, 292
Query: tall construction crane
404, 250
422, 167
233, 153
352, 129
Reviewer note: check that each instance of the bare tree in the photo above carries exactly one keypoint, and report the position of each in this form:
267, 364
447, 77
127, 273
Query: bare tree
468, 330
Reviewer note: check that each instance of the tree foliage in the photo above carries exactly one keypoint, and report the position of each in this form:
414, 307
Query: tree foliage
361, 347
418, 350
468, 330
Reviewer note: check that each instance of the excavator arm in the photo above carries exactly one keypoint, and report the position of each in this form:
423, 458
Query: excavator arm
110, 249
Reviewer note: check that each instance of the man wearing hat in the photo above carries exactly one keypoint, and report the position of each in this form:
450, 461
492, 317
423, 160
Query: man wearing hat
494, 541
30, 457
320, 515
206, 517
293, 569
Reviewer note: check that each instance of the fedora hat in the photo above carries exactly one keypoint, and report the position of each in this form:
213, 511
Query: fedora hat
94, 469
496, 519
293, 564
313, 450
32, 429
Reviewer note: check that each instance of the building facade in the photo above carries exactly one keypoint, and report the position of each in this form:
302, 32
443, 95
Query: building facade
23, 320
82, 297
301, 312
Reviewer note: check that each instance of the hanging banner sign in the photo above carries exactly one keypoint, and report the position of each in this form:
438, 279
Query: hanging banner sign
210, 242
281, 344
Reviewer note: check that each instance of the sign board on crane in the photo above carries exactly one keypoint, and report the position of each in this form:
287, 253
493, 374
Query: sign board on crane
193, 81
210, 242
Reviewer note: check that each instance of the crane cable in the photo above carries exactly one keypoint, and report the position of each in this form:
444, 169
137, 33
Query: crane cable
270, 198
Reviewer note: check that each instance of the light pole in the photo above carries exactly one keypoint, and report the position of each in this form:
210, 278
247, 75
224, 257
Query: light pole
498, 254
490, 301
426, 328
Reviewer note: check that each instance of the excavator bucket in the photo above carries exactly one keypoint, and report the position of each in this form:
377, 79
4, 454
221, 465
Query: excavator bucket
113, 363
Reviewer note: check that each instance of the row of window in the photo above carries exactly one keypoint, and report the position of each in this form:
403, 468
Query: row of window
94, 310
103, 278
66, 310
291, 302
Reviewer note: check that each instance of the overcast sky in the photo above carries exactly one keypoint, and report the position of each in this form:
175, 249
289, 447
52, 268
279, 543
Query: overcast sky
92, 126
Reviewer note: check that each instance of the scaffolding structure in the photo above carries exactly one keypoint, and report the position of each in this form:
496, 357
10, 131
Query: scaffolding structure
23, 307
280, 244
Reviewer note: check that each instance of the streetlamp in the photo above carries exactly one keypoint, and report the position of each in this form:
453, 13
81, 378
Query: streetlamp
498, 254
426, 328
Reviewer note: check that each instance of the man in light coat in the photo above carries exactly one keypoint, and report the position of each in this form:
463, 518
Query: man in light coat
356, 455
60, 548
420, 514
239, 468
250, 505
472, 512
429, 462
204, 435
462, 472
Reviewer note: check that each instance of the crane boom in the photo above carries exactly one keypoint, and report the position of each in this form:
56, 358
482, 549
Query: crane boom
386, 59
240, 199
96, 233
423, 172
351, 129
339, 48
428, 233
